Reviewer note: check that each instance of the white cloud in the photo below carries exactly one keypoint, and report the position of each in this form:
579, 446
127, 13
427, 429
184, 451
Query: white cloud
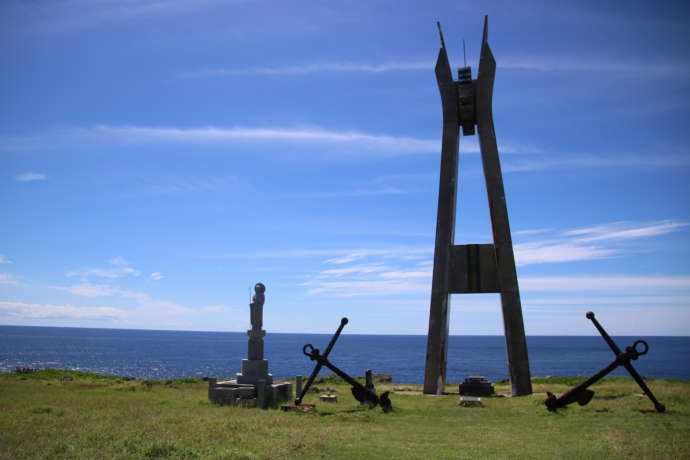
156, 276
9, 280
390, 144
606, 301
119, 260
407, 274
587, 243
535, 231
355, 288
120, 268
604, 283
217, 309
144, 304
626, 230
57, 17
542, 64
545, 252
353, 270
30, 177
4, 260
373, 191
88, 290
27, 310
352, 255
654, 159
635, 68
305, 69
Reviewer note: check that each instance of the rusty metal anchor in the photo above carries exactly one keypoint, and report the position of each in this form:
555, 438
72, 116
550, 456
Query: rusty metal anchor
359, 391
582, 395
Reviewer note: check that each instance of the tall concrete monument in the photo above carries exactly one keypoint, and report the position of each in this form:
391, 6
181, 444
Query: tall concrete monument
254, 386
255, 368
472, 268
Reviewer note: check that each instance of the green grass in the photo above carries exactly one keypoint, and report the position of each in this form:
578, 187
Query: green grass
64, 414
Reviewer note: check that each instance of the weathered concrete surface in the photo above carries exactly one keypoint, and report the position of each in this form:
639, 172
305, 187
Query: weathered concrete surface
483, 268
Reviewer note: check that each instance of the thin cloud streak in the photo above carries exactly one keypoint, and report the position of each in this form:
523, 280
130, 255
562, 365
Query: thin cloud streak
603, 283
42, 311
539, 253
306, 69
9, 280
618, 230
638, 69
31, 177
561, 161
139, 134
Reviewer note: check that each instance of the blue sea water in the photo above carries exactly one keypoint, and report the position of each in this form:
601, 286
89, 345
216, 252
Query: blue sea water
178, 354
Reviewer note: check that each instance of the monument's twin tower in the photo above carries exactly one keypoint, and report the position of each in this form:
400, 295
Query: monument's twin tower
472, 268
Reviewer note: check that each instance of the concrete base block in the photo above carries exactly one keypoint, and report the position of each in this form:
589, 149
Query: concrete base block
254, 370
237, 394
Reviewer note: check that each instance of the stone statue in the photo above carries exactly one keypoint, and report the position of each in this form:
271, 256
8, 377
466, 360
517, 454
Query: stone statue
254, 385
257, 307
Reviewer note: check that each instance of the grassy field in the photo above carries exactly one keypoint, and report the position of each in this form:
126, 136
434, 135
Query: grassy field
62, 414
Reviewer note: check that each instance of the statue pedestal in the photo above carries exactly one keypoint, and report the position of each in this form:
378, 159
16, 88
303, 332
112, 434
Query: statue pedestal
254, 370
254, 386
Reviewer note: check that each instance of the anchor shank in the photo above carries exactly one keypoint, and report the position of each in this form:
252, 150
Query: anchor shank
317, 367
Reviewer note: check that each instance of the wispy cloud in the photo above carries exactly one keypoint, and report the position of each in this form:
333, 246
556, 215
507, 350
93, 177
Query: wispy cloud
311, 68
356, 192
156, 276
142, 304
354, 288
657, 159
352, 270
9, 280
335, 255
189, 184
590, 243
4, 259
40, 311
609, 300
31, 177
309, 140
60, 16
120, 267
603, 283
88, 290
535, 231
550, 252
344, 142
636, 68
384, 272
352, 255
626, 230
401, 144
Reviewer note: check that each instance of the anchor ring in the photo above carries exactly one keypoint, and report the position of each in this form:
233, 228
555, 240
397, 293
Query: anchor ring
311, 350
644, 344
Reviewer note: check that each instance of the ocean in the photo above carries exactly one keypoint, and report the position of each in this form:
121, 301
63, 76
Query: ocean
180, 354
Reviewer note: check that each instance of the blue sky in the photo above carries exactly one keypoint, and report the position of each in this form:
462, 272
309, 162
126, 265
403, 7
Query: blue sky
159, 158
